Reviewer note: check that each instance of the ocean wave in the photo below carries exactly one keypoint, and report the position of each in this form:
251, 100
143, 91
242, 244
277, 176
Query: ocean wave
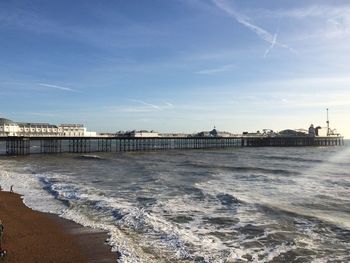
29, 186
244, 169
90, 157
92, 209
293, 158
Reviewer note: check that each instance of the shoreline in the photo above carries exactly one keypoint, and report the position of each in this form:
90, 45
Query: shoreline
33, 236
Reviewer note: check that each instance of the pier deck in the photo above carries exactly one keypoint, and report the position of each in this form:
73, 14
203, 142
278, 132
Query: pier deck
28, 145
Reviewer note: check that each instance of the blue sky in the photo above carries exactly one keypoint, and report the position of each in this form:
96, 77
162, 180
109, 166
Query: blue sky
177, 65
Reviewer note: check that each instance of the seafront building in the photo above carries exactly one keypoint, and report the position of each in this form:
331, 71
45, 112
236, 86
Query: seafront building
142, 133
75, 130
214, 133
27, 129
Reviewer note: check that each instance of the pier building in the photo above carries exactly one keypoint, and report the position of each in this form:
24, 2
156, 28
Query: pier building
28, 129
214, 133
8, 127
142, 133
75, 130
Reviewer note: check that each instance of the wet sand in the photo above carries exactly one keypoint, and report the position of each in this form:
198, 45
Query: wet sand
31, 236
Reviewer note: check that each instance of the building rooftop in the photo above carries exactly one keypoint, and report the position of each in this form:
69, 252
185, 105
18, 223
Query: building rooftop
6, 121
37, 124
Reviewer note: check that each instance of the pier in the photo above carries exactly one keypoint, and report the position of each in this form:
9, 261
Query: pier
13, 146
292, 141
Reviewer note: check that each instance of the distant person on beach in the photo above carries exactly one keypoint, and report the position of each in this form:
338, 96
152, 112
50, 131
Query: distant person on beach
1, 233
11, 189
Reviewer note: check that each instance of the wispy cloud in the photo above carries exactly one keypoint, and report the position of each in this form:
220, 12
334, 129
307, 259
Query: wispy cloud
169, 105
308, 11
57, 87
246, 21
153, 106
143, 107
323, 21
220, 69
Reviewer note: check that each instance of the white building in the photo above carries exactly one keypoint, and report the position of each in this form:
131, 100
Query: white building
75, 130
142, 134
8, 127
11, 128
37, 129
214, 133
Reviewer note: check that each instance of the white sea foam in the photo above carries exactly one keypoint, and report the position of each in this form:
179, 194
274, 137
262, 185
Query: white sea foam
28, 185
162, 234
31, 187
125, 244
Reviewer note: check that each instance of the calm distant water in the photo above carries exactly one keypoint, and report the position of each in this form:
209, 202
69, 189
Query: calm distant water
237, 205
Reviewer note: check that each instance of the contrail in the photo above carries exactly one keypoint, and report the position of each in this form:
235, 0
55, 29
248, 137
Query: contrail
245, 21
274, 41
56, 87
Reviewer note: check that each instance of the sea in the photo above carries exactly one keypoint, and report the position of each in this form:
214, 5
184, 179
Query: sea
224, 205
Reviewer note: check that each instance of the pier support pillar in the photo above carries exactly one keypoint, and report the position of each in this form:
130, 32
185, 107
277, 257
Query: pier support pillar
17, 146
50, 146
79, 145
104, 145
